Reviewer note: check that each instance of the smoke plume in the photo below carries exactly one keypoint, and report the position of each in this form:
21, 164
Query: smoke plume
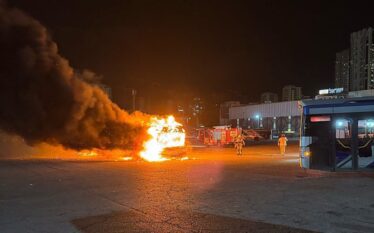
43, 99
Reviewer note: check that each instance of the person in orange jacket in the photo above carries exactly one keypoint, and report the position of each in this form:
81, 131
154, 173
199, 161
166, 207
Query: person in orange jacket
282, 143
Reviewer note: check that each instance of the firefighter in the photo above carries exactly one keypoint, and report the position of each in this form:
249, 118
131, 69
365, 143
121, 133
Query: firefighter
282, 143
239, 143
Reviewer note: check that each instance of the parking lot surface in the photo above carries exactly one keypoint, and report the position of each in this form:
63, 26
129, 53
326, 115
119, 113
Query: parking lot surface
212, 191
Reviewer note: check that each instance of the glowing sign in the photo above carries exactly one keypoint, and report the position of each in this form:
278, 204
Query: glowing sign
331, 91
320, 118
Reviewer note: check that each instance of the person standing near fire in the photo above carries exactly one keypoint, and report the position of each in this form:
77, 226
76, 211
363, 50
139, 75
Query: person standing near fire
282, 143
239, 143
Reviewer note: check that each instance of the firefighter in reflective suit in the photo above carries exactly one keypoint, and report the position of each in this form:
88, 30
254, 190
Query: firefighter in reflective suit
239, 143
282, 143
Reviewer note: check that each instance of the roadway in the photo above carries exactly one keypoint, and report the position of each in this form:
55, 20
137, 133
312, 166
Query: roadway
213, 191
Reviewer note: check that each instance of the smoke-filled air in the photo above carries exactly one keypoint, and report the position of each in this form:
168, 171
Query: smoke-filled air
43, 99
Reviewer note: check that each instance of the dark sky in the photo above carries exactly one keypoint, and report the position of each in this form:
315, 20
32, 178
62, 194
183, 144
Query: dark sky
167, 48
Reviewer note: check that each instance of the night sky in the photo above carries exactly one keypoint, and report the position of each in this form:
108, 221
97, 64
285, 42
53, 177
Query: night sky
225, 49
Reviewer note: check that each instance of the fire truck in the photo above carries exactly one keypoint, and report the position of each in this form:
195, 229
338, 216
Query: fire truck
218, 135
225, 135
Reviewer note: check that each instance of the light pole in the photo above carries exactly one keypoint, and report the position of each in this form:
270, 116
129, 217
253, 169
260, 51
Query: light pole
133, 94
370, 126
339, 124
257, 116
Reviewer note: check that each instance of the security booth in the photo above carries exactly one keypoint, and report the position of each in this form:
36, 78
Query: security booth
337, 134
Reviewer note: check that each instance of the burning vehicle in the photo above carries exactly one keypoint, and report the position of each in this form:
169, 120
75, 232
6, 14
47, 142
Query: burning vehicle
166, 139
45, 100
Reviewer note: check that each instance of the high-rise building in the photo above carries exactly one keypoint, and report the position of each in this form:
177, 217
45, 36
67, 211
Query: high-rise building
141, 104
197, 107
224, 111
342, 70
290, 93
362, 60
269, 97
170, 106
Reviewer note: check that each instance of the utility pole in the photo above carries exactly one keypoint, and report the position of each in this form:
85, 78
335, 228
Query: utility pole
133, 94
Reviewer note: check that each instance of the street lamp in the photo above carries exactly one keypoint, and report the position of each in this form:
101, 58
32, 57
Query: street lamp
339, 123
370, 124
340, 131
133, 94
257, 116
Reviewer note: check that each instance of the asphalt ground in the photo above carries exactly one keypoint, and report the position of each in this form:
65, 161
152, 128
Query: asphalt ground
213, 191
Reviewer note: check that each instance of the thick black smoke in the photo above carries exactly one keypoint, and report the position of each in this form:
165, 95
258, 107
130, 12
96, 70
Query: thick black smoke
43, 99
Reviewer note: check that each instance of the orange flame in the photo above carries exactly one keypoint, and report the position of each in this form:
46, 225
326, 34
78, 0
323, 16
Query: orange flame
164, 133
87, 153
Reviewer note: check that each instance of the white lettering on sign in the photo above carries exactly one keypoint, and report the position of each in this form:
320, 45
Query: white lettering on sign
331, 91
323, 92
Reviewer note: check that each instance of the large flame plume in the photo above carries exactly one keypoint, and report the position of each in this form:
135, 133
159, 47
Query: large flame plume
163, 133
45, 100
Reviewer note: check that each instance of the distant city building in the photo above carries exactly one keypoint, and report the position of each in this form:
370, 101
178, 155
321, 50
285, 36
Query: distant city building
224, 111
170, 106
197, 107
305, 97
180, 110
141, 104
362, 93
342, 70
281, 117
291, 93
269, 97
106, 89
362, 60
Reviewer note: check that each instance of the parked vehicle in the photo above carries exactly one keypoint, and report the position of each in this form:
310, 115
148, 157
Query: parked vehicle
252, 135
218, 135
225, 135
